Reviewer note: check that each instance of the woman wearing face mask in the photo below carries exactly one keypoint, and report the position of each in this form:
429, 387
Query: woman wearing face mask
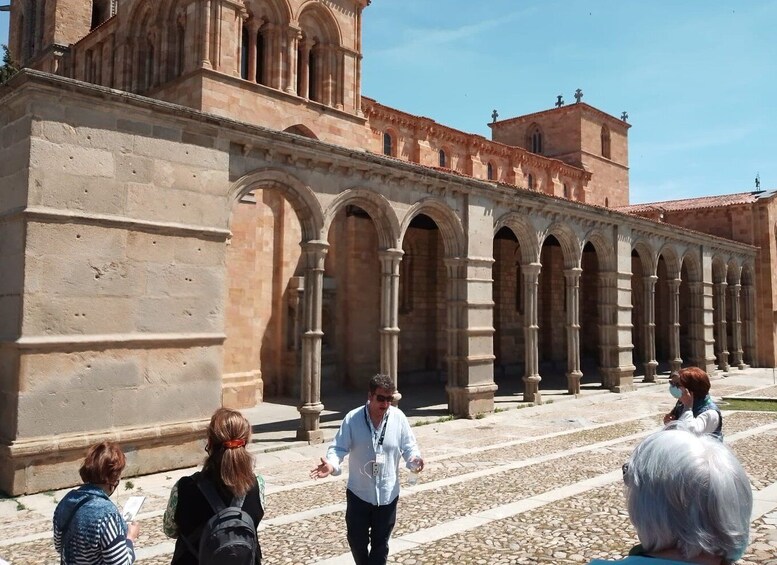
88, 528
694, 410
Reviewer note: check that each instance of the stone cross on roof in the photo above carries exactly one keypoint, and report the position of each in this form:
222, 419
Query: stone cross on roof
757, 181
624, 116
494, 115
578, 95
559, 101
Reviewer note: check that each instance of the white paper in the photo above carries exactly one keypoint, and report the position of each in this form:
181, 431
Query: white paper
132, 507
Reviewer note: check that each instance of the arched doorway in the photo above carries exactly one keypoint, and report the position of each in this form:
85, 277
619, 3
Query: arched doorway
509, 338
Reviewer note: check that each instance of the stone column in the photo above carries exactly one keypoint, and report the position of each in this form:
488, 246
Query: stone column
722, 328
328, 73
389, 314
649, 290
253, 30
608, 338
675, 361
736, 334
268, 52
574, 374
310, 393
205, 14
292, 44
305, 69
748, 297
337, 78
453, 304
531, 379
695, 329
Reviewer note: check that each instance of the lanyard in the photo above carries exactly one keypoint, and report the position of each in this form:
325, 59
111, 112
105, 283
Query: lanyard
383, 430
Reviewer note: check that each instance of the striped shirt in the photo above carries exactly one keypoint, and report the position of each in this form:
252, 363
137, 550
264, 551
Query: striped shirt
96, 535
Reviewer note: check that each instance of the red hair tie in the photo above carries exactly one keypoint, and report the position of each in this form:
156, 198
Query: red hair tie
234, 443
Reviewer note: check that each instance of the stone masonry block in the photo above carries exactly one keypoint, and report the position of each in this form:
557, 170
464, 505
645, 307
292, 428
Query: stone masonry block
73, 240
45, 314
71, 159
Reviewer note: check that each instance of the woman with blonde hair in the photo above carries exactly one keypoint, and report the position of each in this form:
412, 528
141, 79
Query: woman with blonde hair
227, 481
88, 527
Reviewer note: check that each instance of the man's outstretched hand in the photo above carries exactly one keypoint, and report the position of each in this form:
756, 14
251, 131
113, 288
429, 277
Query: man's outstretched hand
324, 469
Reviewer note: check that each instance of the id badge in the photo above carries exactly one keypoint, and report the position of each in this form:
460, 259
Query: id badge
380, 459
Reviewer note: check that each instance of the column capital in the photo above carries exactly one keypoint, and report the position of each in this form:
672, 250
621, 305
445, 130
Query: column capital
574, 272
392, 254
315, 245
254, 24
674, 284
531, 268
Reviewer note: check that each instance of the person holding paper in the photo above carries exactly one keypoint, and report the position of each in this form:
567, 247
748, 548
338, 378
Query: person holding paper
375, 435
88, 527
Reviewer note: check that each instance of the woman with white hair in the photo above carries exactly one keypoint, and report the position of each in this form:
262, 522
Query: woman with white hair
689, 500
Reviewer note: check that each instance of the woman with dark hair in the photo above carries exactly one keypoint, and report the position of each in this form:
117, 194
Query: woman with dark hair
88, 528
228, 473
695, 410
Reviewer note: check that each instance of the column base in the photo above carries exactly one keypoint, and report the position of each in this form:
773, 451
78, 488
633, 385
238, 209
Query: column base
573, 382
531, 389
469, 401
675, 365
310, 416
650, 371
621, 379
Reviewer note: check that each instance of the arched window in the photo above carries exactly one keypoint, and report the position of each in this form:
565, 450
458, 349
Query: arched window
606, 202
605, 142
535, 139
388, 144
566, 190
260, 48
531, 182
313, 75
443, 158
490, 171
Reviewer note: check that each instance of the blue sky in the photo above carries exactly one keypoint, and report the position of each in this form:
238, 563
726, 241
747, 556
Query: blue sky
695, 76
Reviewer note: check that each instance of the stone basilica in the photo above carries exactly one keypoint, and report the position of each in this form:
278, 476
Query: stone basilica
198, 207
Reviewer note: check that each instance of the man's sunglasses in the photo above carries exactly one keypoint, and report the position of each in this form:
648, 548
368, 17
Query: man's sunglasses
381, 398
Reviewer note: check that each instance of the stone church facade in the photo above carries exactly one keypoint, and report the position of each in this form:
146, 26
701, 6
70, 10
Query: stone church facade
198, 207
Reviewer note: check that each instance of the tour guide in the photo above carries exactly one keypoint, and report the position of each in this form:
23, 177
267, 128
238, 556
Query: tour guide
375, 435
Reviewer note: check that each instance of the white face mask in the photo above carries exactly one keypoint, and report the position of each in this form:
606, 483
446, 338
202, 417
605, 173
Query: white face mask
675, 391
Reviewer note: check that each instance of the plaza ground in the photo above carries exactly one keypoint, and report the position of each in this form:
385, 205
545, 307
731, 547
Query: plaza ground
528, 484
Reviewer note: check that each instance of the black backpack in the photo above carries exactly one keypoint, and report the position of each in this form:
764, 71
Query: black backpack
229, 537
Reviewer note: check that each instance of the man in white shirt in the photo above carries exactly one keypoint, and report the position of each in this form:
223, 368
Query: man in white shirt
375, 435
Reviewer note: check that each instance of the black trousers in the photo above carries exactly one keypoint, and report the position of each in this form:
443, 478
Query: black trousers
369, 524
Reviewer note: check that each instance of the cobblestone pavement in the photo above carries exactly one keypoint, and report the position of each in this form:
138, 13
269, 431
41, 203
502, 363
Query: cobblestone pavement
537, 485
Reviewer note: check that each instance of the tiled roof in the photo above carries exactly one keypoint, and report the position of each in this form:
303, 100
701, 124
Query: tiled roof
694, 203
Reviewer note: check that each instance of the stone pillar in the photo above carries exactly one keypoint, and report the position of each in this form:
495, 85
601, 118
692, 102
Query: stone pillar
253, 29
649, 290
695, 328
722, 328
531, 379
749, 346
327, 56
471, 384
574, 374
310, 393
338, 78
293, 36
389, 314
676, 362
205, 15
267, 54
736, 334
305, 69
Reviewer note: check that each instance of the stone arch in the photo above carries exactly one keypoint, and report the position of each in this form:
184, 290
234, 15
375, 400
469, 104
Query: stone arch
299, 195
274, 11
719, 268
300, 129
646, 255
570, 244
671, 260
175, 29
605, 249
141, 67
525, 232
692, 263
318, 22
378, 208
447, 221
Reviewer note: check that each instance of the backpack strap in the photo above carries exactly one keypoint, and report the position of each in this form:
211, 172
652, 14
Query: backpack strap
210, 493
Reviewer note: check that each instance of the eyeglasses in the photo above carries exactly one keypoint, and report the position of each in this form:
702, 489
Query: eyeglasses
381, 398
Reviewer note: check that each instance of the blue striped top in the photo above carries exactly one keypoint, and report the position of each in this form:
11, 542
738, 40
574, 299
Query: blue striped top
97, 534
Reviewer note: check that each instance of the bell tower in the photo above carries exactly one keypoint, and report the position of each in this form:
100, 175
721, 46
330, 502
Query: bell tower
41, 31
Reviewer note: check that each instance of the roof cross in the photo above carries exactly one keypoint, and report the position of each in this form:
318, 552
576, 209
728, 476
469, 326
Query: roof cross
578, 95
559, 101
494, 116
